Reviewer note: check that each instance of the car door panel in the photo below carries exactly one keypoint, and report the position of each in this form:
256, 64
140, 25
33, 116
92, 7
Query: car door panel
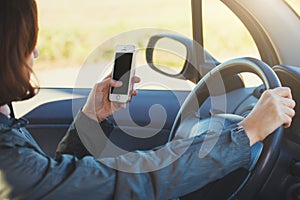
144, 124
50, 121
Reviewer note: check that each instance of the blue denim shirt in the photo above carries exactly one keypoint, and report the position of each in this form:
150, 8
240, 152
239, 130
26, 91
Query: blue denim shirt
27, 173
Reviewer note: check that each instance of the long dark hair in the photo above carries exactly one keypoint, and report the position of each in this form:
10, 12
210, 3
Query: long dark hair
18, 37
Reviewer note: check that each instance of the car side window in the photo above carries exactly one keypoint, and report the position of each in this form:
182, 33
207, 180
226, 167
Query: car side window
76, 35
225, 36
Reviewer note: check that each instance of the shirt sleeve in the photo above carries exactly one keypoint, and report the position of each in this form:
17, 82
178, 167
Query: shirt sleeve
72, 143
175, 169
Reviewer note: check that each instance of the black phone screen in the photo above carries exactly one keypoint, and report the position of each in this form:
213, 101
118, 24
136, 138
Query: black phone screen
121, 72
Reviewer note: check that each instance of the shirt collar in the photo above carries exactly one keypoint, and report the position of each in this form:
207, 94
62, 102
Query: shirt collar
7, 124
4, 119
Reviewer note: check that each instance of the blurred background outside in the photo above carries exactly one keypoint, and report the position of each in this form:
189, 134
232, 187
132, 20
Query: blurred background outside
70, 30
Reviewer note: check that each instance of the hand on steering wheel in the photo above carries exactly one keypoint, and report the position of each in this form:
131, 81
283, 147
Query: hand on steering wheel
274, 108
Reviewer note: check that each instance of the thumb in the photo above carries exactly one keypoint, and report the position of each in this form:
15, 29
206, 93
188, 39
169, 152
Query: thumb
114, 83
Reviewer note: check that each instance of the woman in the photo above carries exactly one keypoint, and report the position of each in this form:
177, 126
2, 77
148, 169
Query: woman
27, 173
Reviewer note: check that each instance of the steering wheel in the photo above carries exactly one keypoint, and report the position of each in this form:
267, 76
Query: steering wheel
265, 155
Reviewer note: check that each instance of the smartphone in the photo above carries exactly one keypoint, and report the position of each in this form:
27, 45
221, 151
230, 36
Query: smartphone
123, 70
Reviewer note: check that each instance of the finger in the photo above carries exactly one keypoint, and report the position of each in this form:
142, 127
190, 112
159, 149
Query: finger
288, 102
287, 121
102, 86
134, 93
106, 84
288, 125
136, 79
114, 83
289, 112
283, 91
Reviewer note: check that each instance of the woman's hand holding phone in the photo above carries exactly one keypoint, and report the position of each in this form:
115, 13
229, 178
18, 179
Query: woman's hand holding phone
116, 90
98, 106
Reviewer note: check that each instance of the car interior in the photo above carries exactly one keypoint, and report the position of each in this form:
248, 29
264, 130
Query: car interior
154, 117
